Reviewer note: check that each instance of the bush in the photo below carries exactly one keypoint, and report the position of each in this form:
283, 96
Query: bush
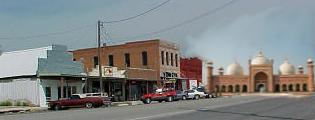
24, 103
6, 103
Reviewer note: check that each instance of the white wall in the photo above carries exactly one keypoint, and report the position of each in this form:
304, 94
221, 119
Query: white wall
22, 88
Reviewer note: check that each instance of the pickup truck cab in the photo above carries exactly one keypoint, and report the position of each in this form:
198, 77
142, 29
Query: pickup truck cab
78, 100
160, 95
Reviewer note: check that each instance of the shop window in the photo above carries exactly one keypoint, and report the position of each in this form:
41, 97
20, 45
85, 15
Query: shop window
48, 93
74, 90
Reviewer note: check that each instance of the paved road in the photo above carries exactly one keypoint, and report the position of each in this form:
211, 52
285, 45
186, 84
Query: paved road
236, 108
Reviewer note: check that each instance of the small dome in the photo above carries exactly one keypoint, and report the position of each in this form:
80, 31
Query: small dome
260, 59
286, 68
234, 69
309, 60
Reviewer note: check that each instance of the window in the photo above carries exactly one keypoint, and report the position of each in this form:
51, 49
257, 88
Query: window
111, 60
95, 61
144, 58
167, 60
176, 60
48, 93
127, 59
162, 57
172, 60
74, 90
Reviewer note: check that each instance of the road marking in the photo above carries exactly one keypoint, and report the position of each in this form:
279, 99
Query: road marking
163, 115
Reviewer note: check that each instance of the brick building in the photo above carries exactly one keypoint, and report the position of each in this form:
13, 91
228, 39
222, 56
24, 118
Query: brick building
147, 64
190, 73
261, 77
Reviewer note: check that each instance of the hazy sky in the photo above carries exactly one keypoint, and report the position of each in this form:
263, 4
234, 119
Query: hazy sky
281, 28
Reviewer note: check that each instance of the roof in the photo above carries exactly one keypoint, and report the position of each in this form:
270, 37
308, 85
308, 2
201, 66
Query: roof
22, 62
52, 60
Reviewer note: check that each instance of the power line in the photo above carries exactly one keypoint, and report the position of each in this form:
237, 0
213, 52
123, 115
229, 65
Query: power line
138, 15
183, 23
50, 34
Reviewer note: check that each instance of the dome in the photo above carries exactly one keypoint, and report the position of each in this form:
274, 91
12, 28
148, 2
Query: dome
260, 59
286, 68
234, 69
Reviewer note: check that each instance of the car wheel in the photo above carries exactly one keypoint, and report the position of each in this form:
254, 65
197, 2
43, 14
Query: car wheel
147, 101
169, 99
160, 101
57, 107
184, 97
88, 105
197, 97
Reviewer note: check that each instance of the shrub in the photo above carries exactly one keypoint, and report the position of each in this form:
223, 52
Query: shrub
6, 103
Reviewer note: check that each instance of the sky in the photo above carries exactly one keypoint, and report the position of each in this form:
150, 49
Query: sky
280, 28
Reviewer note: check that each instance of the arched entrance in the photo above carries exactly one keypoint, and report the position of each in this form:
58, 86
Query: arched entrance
260, 81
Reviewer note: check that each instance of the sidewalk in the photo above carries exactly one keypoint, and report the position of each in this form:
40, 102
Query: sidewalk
127, 103
20, 109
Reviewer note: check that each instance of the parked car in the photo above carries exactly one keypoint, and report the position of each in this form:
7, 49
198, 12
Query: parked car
195, 94
160, 96
180, 95
78, 100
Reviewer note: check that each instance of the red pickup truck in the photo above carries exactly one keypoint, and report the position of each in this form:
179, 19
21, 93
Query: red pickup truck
159, 95
78, 100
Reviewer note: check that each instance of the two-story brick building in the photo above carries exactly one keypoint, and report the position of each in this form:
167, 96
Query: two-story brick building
146, 65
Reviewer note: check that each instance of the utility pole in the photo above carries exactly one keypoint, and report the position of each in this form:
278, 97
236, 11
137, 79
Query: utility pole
99, 24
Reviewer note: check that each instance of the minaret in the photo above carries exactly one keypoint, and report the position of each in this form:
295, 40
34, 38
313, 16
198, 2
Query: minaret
221, 71
310, 73
209, 78
301, 70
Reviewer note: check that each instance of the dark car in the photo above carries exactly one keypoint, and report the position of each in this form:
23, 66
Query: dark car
180, 95
77, 100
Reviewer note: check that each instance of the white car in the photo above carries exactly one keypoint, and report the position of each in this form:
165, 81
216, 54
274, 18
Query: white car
195, 94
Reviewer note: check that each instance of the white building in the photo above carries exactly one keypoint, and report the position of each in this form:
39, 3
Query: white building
39, 75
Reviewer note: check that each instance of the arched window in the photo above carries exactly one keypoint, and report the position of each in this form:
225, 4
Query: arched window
284, 88
223, 88
297, 88
244, 88
304, 87
230, 88
237, 88
217, 88
290, 87
277, 88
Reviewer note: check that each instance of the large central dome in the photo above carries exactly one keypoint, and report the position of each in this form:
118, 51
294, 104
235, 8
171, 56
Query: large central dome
260, 59
234, 69
286, 68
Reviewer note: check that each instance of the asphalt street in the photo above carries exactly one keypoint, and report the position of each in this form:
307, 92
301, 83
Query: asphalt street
228, 108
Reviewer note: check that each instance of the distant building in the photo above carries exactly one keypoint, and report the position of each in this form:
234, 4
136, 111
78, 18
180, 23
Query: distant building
142, 65
261, 77
190, 73
39, 75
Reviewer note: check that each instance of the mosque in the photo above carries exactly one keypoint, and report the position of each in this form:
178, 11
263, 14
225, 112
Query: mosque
261, 77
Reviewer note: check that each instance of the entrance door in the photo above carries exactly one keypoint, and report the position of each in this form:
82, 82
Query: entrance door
261, 87
261, 82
